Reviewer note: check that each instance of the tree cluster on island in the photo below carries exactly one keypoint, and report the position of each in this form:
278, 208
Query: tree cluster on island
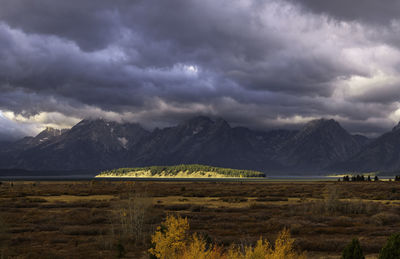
191, 168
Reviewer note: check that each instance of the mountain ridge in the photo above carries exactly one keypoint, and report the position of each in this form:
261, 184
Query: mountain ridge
320, 146
381, 154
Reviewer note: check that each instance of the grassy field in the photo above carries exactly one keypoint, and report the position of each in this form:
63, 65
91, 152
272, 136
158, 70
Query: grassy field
107, 219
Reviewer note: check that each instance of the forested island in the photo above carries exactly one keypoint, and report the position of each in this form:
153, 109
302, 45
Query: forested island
180, 171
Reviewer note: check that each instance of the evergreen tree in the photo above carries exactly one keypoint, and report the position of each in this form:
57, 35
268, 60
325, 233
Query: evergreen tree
392, 248
353, 250
376, 178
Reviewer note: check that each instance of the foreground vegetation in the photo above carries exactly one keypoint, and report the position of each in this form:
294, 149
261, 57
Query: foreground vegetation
172, 241
109, 219
193, 170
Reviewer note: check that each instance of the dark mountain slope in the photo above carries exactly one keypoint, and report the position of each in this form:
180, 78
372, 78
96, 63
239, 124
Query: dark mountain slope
319, 144
201, 140
9, 152
382, 154
91, 144
100, 144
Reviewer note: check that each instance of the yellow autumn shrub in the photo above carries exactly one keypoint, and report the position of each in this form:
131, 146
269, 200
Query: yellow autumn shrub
171, 240
261, 250
197, 248
284, 247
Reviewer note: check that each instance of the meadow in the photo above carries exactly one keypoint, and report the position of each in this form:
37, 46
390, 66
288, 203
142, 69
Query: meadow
110, 219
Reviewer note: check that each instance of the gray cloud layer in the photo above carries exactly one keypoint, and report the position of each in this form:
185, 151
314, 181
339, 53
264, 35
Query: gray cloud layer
261, 63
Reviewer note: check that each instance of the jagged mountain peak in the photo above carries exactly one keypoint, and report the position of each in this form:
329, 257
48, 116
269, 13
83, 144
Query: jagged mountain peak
204, 120
203, 125
319, 123
222, 123
49, 132
197, 121
99, 143
319, 144
380, 154
92, 121
321, 126
98, 123
45, 136
397, 127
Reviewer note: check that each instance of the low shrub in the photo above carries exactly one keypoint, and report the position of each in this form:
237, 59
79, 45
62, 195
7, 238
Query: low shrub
392, 248
353, 250
171, 240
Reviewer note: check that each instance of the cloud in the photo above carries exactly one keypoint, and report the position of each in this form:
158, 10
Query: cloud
11, 130
263, 64
368, 11
92, 25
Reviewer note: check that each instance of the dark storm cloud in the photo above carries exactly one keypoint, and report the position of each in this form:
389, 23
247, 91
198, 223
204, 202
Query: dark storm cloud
382, 17
369, 11
166, 60
92, 24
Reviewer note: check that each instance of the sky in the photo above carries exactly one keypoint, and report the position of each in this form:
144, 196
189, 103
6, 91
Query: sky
262, 64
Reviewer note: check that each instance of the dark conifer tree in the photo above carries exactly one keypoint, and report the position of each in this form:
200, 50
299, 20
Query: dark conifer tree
392, 248
353, 250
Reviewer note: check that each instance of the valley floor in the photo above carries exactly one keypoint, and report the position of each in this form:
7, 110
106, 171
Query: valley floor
106, 219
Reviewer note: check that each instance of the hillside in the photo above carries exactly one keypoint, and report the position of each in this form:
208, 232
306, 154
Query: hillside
98, 144
180, 171
319, 144
382, 154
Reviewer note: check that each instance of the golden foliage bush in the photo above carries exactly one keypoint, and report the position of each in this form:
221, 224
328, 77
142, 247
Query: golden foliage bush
197, 248
171, 240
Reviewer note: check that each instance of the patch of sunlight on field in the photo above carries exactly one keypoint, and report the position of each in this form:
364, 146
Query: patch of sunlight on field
245, 202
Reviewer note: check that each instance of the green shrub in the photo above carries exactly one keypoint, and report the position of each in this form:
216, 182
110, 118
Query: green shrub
392, 248
120, 250
353, 250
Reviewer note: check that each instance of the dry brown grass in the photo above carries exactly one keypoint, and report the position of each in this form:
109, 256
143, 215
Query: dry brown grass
79, 219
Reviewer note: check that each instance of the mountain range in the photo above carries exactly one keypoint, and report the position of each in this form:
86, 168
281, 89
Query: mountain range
321, 146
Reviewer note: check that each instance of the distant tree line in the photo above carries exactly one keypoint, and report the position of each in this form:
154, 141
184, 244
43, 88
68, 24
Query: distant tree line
362, 178
191, 168
359, 178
